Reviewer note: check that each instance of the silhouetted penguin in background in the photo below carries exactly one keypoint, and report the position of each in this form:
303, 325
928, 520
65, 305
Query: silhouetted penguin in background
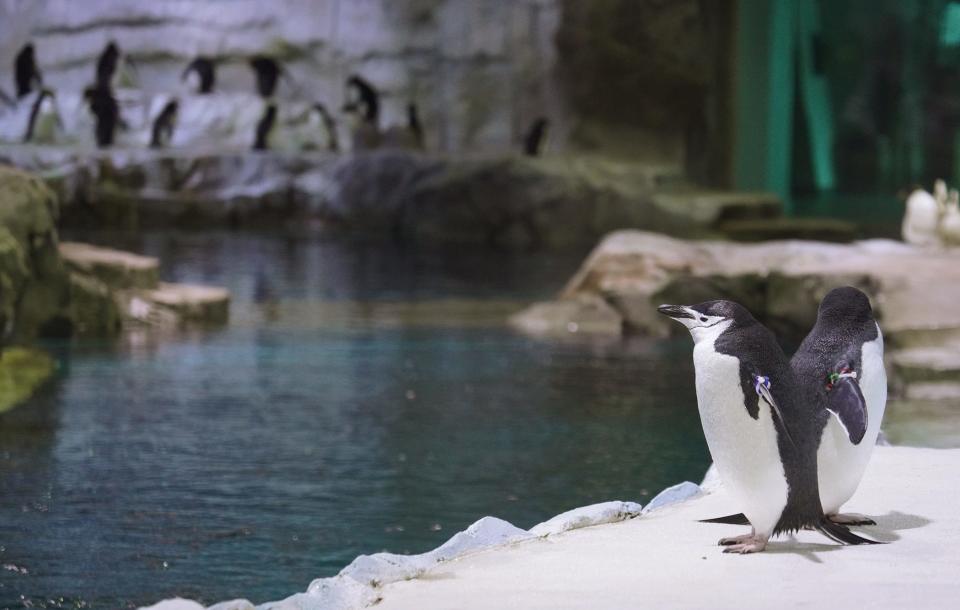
205, 71
329, 125
363, 106
107, 66
267, 71
103, 105
264, 128
44, 117
26, 72
533, 141
762, 433
164, 125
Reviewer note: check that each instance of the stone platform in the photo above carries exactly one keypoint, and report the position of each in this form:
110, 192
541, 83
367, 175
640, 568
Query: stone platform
914, 293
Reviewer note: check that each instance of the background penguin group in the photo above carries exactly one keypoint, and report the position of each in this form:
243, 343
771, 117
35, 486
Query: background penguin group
932, 219
790, 438
363, 106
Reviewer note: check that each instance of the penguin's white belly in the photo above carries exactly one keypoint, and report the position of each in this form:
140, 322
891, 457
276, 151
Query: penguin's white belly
744, 449
841, 464
921, 219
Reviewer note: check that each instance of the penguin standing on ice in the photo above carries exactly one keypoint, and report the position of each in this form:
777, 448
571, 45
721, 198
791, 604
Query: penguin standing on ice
44, 119
164, 125
840, 363
763, 437
111, 65
201, 72
26, 72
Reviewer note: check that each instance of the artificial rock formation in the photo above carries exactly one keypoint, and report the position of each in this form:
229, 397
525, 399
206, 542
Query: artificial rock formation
630, 273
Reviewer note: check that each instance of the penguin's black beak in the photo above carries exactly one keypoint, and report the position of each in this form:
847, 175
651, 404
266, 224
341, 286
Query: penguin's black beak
674, 311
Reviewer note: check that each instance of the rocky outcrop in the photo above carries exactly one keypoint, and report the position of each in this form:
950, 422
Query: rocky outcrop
913, 290
22, 371
502, 200
53, 289
130, 283
34, 286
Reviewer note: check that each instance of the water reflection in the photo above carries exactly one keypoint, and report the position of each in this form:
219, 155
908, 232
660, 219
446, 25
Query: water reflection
344, 412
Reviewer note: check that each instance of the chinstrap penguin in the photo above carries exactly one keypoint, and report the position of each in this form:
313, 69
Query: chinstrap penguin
840, 366
762, 436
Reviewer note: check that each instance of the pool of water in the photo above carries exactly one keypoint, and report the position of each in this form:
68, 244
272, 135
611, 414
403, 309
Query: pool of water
363, 398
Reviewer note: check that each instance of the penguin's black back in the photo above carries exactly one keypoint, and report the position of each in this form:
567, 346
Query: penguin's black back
844, 323
368, 97
798, 434
25, 70
413, 123
206, 70
104, 107
35, 113
268, 74
107, 65
533, 141
263, 128
164, 124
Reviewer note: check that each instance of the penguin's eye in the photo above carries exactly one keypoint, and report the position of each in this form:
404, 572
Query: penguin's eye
703, 319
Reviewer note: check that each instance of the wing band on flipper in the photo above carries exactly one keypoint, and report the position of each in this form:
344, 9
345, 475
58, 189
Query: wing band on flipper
845, 401
762, 386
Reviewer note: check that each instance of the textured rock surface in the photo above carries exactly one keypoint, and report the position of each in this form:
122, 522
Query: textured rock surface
22, 371
914, 291
505, 201
33, 281
458, 59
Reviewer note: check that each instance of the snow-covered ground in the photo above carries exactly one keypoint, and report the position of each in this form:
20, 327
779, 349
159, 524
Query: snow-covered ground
665, 558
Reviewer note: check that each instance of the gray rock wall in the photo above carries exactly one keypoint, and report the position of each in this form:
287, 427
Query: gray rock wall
480, 70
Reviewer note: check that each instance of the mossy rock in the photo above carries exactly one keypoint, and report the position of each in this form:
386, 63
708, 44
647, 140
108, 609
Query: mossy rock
22, 372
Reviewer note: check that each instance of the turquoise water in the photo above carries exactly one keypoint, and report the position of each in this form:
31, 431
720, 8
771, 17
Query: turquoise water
362, 398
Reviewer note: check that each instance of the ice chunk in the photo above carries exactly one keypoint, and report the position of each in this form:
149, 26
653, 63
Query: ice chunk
233, 604
177, 603
485, 533
585, 516
672, 495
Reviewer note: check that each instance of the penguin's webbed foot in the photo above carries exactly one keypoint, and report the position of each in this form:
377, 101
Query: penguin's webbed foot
755, 545
734, 540
851, 519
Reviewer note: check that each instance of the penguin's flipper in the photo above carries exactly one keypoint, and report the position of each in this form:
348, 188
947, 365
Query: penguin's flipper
841, 534
762, 386
738, 519
845, 401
